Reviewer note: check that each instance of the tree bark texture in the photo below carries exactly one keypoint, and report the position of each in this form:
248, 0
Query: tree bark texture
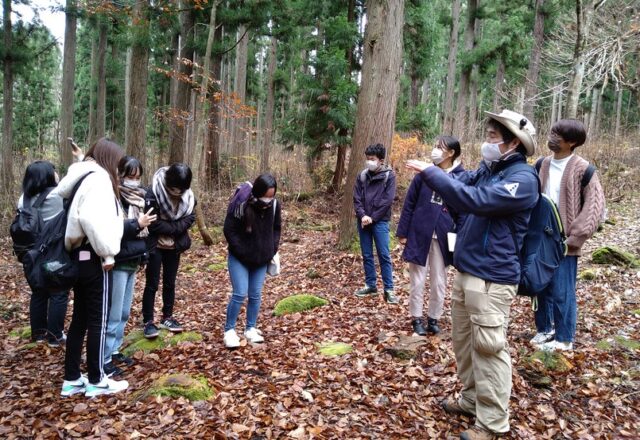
7, 99
465, 74
531, 80
214, 126
377, 98
101, 93
447, 122
497, 95
68, 82
269, 111
239, 131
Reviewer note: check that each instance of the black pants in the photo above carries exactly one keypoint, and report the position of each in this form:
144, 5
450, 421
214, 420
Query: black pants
46, 315
169, 260
91, 301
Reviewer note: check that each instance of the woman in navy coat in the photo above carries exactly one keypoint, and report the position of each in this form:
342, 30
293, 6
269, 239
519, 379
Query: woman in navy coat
422, 229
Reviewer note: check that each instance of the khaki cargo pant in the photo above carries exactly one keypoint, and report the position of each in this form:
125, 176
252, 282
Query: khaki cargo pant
479, 317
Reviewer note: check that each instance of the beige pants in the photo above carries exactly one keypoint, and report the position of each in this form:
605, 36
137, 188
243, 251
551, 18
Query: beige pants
479, 318
437, 284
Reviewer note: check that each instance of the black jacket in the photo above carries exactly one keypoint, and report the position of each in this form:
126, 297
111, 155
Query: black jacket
256, 248
178, 229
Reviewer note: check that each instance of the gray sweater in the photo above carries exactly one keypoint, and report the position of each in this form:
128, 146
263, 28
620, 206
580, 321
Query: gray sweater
51, 206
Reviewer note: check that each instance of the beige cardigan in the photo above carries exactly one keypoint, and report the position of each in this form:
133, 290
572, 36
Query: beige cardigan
580, 222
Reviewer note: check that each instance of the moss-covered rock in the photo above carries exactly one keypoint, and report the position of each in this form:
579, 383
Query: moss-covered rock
184, 337
298, 303
636, 312
179, 385
215, 267
406, 347
604, 345
551, 361
615, 256
135, 341
21, 332
334, 348
629, 344
587, 274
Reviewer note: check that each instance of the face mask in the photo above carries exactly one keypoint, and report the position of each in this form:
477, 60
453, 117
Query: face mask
372, 165
130, 183
436, 156
491, 152
266, 200
553, 143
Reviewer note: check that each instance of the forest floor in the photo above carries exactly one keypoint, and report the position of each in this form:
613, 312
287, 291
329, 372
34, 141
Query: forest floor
285, 389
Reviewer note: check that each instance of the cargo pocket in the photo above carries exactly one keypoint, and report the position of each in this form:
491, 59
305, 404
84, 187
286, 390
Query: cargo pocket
488, 333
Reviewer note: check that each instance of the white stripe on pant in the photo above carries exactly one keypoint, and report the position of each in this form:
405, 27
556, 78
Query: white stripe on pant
437, 284
105, 316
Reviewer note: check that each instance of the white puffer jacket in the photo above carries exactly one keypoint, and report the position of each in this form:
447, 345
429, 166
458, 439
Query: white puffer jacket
94, 212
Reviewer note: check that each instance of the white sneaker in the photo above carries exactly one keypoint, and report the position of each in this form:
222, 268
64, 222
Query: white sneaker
106, 386
253, 335
541, 337
71, 387
556, 346
231, 339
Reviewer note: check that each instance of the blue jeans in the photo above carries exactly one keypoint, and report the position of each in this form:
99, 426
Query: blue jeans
377, 232
245, 282
557, 305
121, 297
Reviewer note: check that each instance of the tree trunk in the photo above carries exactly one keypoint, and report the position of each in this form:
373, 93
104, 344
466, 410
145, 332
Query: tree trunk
101, 94
531, 80
554, 110
268, 123
180, 108
618, 109
584, 15
338, 173
497, 96
7, 99
68, 82
414, 98
137, 78
447, 123
465, 75
240, 90
93, 85
378, 95
214, 126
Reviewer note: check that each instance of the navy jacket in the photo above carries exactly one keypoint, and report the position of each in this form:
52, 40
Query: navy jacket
423, 213
374, 196
497, 201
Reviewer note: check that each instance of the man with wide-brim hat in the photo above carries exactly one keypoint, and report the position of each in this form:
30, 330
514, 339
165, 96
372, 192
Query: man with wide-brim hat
496, 200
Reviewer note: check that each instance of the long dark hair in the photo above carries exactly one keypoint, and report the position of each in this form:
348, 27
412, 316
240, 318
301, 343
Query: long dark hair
451, 143
38, 176
128, 166
107, 154
262, 184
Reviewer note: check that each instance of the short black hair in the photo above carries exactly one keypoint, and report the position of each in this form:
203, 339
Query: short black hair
507, 135
38, 176
178, 176
128, 166
451, 143
376, 150
571, 130
262, 184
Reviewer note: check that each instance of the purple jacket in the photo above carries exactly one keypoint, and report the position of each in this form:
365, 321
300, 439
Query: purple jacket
423, 213
374, 196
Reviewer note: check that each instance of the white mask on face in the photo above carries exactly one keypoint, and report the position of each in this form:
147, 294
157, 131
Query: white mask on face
490, 152
130, 183
436, 156
266, 199
372, 165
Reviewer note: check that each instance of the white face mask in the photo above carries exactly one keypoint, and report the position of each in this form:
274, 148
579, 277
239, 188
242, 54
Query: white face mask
436, 156
130, 183
491, 152
266, 200
372, 165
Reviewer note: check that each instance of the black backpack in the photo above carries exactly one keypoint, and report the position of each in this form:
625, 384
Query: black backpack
48, 266
27, 224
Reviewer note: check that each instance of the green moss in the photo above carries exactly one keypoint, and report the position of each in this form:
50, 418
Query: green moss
610, 221
587, 275
29, 346
21, 332
298, 303
334, 348
604, 345
613, 255
185, 337
145, 345
135, 341
179, 385
215, 267
629, 344
551, 360
636, 312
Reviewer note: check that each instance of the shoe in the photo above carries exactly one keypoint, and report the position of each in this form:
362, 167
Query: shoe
390, 298
555, 346
150, 330
111, 370
231, 339
451, 406
366, 291
57, 342
106, 386
418, 326
171, 324
542, 337
478, 433
432, 326
253, 335
71, 387
119, 358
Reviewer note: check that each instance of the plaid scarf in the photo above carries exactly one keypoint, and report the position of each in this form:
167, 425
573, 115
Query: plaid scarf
134, 196
171, 208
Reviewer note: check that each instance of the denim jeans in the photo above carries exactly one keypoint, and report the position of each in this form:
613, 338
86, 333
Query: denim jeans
557, 305
245, 282
377, 232
121, 297
46, 314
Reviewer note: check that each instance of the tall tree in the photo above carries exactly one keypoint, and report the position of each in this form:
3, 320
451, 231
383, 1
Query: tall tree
531, 80
7, 97
451, 72
239, 131
68, 81
467, 67
101, 80
377, 99
271, 71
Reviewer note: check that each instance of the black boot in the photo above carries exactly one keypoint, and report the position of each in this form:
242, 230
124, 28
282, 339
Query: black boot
418, 327
432, 326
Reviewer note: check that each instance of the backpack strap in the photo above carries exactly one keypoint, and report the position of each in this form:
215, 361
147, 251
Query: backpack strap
586, 178
538, 164
68, 200
40, 200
